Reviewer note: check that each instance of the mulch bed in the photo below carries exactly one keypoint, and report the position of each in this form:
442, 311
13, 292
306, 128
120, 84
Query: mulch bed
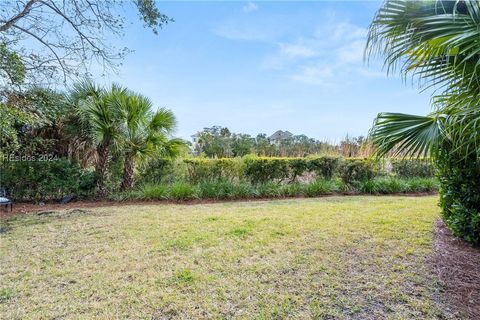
458, 266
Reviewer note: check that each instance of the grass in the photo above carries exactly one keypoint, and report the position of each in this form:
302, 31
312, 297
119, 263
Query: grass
222, 190
331, 258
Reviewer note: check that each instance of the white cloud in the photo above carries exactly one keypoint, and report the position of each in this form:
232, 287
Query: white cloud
330, 55
252, 28
315, 75
333, 56
351, 53
342, 31
297, 50
250, 7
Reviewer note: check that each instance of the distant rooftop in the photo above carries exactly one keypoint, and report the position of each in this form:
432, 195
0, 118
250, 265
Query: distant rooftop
280, 135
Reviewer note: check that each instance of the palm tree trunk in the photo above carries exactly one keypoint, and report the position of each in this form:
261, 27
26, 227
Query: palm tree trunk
101, 169
128, 167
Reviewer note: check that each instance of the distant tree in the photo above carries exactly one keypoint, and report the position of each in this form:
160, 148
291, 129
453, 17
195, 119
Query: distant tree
220, 142
351, 146
45, 41
262, 145
242, 144
215, 142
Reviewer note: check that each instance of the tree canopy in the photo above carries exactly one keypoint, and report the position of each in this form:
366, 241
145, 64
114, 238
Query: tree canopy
49, 41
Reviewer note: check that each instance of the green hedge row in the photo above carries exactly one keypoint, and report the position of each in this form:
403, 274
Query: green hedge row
45, 180
48, 180
264, 169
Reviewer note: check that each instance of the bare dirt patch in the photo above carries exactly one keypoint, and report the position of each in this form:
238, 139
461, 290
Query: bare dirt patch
458, 267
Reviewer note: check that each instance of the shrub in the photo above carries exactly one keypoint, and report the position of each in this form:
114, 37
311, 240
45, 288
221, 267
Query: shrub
460, 195
321, 187
156, 170
410, 168
383, 186
225, 190
297, 166
354, 170
153, 192
46, 180
423, 184
325, 167
269, 190
183, 191
293, 190
389, 185
201, 169
263, 169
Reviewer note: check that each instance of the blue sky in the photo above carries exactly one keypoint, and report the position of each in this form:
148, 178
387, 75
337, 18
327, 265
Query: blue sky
263, 66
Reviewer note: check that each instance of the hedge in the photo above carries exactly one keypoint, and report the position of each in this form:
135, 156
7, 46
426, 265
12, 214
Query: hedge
54, 179
45, 180
283, 170
409, 168
202, 169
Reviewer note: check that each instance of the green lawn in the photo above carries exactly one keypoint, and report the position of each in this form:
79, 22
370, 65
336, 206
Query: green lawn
331, 258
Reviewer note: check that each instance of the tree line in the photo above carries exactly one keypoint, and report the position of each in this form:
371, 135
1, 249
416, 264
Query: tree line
220, 142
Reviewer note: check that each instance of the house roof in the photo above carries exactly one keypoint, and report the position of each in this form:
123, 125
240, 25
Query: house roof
279, 135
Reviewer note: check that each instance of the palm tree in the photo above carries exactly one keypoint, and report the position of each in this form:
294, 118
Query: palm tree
437, 43
144, 132
98, 123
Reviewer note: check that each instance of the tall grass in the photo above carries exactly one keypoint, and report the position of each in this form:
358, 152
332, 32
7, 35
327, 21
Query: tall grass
241, 190
395, 185
183, 191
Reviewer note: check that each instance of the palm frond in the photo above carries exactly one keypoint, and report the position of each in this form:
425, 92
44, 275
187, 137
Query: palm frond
418, 136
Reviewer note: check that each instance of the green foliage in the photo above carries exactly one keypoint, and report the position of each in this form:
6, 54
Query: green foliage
228, 189
154, 192
321, 187
219, 142
436, 42
183, 191
357, 170
325, 167
201, 169
224, 190
409, 168
263, 169
268, 189
460, 196
46, 180
156, 170
12, 67
390, 185
293, 190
